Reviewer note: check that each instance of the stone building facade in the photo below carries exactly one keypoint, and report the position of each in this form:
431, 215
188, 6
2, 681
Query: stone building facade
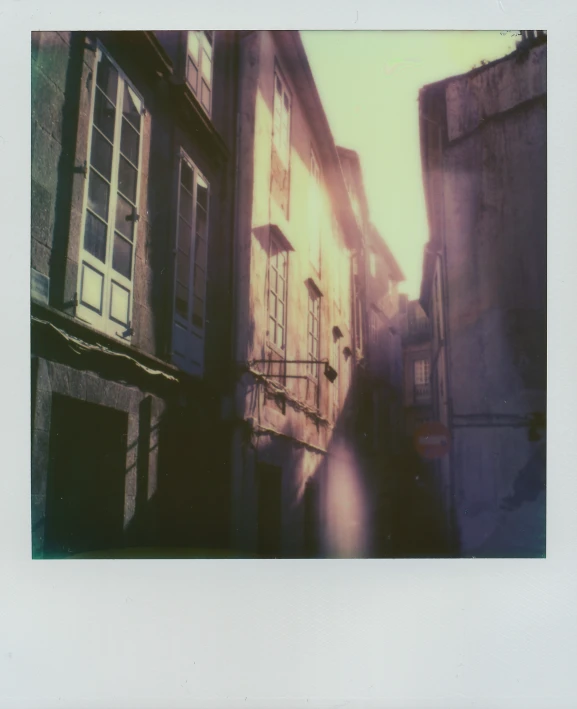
483, 142
297, 487
132, 190
206, 374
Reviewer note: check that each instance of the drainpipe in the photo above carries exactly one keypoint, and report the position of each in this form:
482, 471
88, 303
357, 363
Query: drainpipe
447, 337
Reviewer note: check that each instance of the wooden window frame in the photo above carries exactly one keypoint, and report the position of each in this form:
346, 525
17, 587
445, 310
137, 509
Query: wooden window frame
315, 214
187, 324
275, 242
88, 263
278, 133
204, 39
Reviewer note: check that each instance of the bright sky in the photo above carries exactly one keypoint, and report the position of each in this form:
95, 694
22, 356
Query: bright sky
369, 83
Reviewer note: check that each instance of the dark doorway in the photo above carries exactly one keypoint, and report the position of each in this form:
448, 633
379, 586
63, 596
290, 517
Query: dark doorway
87, 467
269, 510
310, 511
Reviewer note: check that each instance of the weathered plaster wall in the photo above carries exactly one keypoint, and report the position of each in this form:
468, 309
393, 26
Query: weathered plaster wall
495, 226
258, 209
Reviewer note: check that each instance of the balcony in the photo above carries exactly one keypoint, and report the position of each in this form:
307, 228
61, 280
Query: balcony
422, 393
418, 330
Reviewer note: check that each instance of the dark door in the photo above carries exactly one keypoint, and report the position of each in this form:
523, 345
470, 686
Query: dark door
269, 510
310, 514
87, 468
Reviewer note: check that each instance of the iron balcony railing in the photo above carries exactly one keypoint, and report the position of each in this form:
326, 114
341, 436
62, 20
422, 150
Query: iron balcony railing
422, 393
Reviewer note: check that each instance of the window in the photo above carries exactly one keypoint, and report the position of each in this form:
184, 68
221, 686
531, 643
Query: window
315, 215
313, 338
278, 262
335, 364
199, 65
337, 262
422, 371
190, 268
373, 264
313, 346
282, 117
110, 215
374, 326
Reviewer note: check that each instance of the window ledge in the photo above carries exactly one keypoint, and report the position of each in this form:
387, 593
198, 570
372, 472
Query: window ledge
82, 329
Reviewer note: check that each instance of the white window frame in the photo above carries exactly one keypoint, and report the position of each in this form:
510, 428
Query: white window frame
203, 40
273, 294
188, 338
281, 134
422, 372
89, 266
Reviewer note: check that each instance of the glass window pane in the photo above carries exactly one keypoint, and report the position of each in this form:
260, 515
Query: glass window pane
280, 312
192, 75
205, 97
200, 252
201, 222
193, 45
207, 40
127, 179
186, 175
131, 107
123, 210
197, 312
185, 205
280, 337
206, 68
278, 85
98, 194
182, 267
199, 282
272, 304
101, 154
107, 77
281, 286
95, 237
129, 140
104, 114
182, 300
202, 193
271, 328
184, 234
122, 256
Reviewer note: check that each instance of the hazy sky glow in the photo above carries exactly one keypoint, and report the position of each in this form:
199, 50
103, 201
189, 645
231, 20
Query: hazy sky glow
369, 83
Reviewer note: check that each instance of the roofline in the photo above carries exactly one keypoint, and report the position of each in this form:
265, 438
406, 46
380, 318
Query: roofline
380, 240
354, 157
290, 41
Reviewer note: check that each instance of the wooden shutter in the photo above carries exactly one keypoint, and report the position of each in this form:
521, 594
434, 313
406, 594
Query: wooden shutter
190, 268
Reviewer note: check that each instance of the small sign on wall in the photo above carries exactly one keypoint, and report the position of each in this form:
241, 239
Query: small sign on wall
432, 440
